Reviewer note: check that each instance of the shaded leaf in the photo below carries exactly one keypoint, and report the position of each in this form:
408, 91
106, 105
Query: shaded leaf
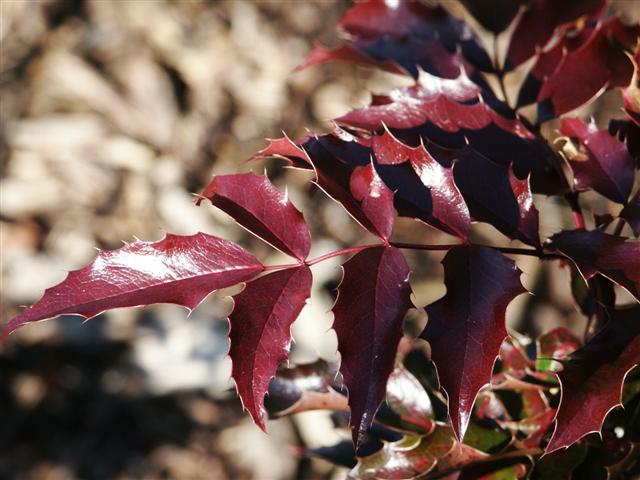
597, 252
498, 16
466, 327
607, 166
373, 298
261, 208
600, 63
304, 387
555, 345
592, 378
409, 399
260, 333
448, 208
488, 440
177, 269
541, 19
560, 464
631, 213
496, 196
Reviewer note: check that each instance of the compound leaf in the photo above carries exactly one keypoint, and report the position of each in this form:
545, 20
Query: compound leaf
373, 298
177, 269
260, 334
466, 327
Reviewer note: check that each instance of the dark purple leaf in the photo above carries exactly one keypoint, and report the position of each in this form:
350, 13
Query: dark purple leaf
494, 195
544, 17
260, 333
176, 269
448, 208
373, 298
261, 208
466, 327
495, 17
597, 252
600, 63
631, 213
605, 166
592, 378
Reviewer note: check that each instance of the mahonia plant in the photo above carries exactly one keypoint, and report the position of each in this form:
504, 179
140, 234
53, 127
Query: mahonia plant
448, 150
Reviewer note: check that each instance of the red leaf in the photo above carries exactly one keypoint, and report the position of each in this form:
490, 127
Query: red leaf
538, 23
373, 299
450, 113
346, 53
449, 210
608, 168
600, 63
176, 269
597, 252
466, 327
555, 345
261, 208
592, 378
260, 332
376, 200
408, 34
546, 63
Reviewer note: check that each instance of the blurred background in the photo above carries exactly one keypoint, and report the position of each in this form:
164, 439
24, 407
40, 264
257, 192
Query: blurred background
112, 113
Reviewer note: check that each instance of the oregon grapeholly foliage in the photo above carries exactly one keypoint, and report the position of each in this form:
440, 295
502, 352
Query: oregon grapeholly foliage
450, 150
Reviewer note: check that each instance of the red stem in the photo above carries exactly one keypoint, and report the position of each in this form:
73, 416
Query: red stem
410, 246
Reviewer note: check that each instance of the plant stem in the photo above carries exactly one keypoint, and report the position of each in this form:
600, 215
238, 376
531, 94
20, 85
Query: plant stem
409, 246
619, 227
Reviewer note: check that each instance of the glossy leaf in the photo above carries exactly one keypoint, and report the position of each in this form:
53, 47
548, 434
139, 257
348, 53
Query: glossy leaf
404, 459
466, 327
408, 399
408, 35
261, 208
541, 19
373, 298
600, 63
448, 209
177, 269
553, 347
449, 113
597, 252
260, 332
606, 165
560, 464
486, 439
376, 200
592, 378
